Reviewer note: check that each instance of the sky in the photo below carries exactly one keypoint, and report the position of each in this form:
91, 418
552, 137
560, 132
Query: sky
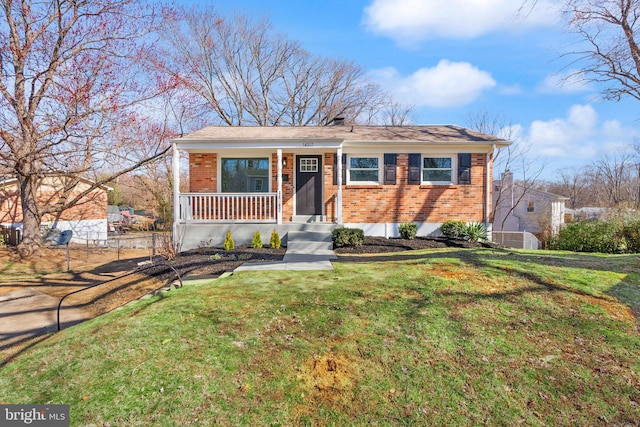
457, 59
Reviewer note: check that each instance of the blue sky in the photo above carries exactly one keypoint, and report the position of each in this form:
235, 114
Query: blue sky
457, 58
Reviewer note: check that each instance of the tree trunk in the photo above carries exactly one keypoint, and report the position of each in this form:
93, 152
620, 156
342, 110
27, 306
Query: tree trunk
31, 241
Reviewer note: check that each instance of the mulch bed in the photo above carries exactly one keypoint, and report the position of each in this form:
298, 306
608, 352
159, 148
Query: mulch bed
374, 245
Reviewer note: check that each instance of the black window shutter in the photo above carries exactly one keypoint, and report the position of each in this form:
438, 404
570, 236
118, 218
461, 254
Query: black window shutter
390, 161
464, 168
414, 168
335, 169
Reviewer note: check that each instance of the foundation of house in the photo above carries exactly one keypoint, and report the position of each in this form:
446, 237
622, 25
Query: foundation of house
193, 235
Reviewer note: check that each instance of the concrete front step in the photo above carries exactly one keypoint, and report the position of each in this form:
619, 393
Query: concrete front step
309, 236
310, 244
308, 218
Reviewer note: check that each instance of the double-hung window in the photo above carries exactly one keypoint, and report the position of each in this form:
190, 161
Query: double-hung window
437, 170
364, 170
244, 175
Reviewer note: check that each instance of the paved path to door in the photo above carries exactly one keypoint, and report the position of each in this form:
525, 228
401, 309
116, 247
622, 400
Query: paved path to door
305, 251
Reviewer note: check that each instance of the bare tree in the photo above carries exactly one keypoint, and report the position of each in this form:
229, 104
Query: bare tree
71, 76
610, 53
246, 74
390, 113
572, 184
513, 160
616, 173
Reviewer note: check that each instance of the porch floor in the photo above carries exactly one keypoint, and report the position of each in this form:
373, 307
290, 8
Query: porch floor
306, 250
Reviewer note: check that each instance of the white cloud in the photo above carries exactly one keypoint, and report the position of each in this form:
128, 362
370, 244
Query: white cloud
578, 136
511, 90
564, 83
411, 21
448, 84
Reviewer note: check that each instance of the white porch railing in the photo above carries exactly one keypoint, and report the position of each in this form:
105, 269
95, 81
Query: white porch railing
228, 207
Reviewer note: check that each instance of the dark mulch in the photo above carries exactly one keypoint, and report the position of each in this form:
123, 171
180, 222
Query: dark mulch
374, 245
213, 261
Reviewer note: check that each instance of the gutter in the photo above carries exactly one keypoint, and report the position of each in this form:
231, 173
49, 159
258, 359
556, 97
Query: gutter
488, 182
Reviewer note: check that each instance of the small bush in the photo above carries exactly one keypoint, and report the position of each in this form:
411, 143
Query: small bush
256, 241
453, 229
275, 240
408, 230
229, 244
344, 236
474, 232
631, 233
215, 257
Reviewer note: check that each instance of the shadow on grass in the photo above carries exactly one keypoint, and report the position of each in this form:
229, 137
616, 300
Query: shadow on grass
626, 291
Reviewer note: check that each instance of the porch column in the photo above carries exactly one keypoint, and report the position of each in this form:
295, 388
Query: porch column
339, 182
176, 183
279, 180
176, 191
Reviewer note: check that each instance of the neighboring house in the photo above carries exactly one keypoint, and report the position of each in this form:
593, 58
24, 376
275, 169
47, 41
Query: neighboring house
248, 179
520, 209
87, 219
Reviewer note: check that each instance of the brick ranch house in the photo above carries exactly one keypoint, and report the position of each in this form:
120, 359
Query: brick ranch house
248, 179
87, 219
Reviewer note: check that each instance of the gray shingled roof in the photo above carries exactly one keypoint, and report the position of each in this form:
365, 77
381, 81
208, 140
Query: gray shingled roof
437, 134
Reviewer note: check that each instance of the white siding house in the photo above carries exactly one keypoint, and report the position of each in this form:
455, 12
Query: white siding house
520, 209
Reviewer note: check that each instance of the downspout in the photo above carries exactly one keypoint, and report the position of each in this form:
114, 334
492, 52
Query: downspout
488, 201
279, 181
176, 194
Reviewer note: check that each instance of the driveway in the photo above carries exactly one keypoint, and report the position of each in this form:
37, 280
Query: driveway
26, 313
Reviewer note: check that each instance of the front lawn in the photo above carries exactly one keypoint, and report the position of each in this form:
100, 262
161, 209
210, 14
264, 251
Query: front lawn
430, 337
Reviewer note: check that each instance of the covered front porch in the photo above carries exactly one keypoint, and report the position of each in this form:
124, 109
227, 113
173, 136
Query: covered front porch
252, 185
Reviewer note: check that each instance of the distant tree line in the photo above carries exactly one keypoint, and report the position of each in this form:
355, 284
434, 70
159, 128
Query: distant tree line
610, 181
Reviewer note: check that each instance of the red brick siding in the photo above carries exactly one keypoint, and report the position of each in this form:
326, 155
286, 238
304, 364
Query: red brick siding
287, 186
91, 207
203, 170
403, 202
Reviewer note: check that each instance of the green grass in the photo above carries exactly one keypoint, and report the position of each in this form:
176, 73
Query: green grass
446, 337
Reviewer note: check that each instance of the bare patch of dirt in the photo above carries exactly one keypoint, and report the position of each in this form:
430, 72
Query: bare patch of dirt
329, 378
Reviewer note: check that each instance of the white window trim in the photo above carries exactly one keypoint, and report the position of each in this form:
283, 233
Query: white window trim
348, 167
454, 169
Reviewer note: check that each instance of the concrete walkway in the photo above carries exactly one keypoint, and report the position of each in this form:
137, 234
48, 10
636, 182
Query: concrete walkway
306, 250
